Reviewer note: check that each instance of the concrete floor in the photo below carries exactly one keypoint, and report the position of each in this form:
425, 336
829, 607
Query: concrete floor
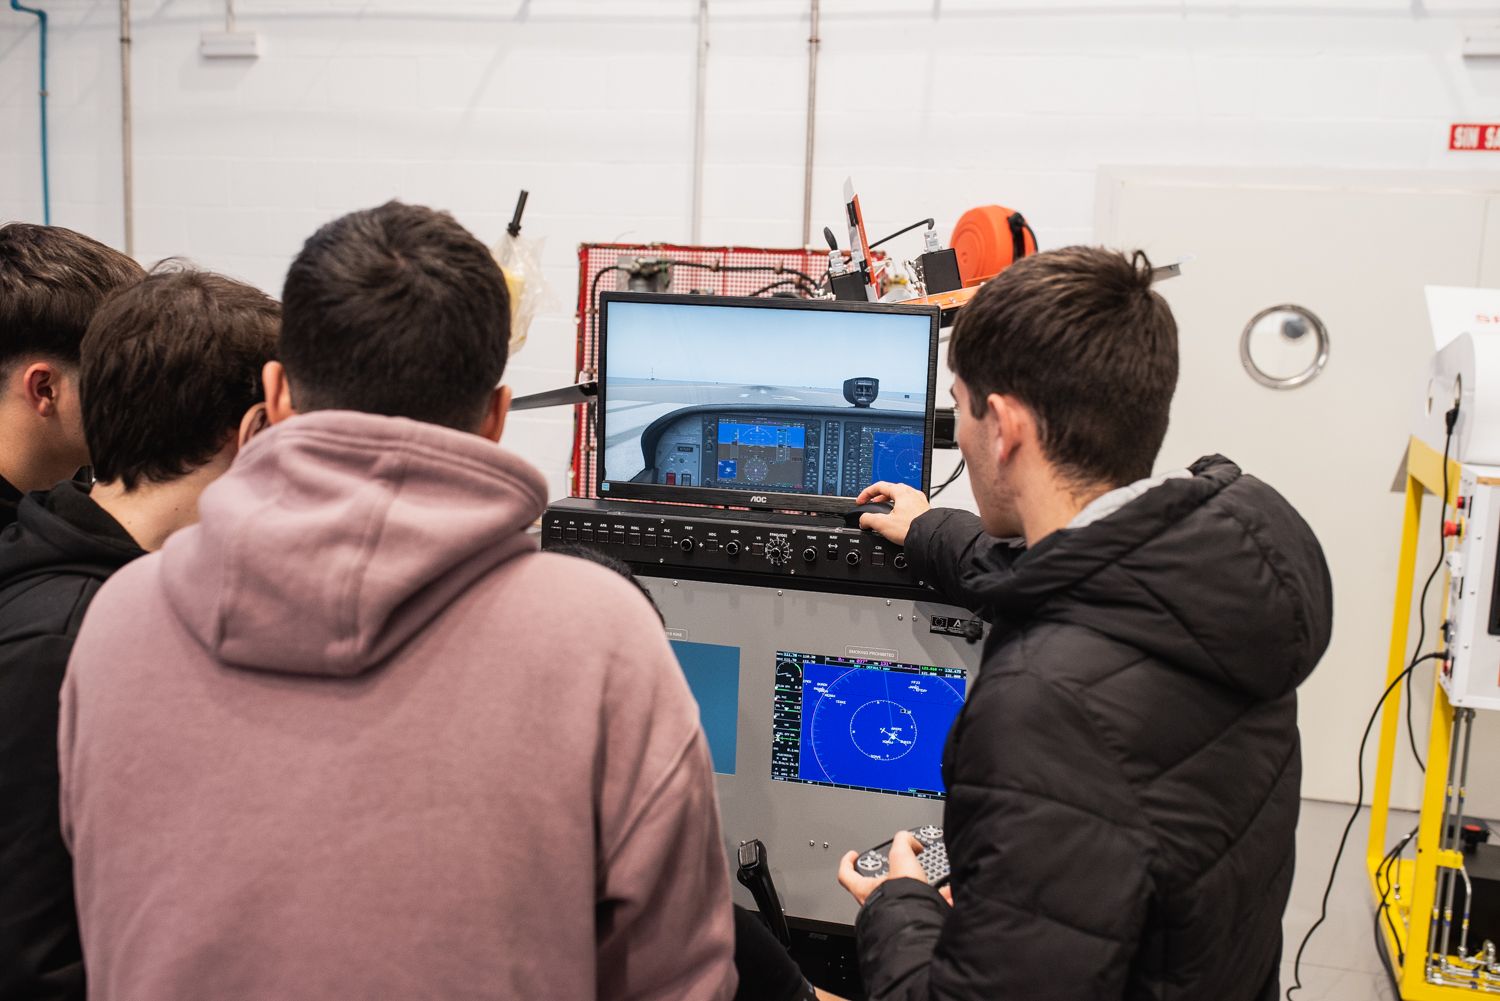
1341, 962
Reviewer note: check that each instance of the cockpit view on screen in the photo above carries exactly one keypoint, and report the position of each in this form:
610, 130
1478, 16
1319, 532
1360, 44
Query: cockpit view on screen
795, 401
862, 724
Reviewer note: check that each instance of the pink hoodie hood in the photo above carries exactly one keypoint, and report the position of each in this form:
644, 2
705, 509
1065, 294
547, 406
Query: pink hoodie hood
319, 552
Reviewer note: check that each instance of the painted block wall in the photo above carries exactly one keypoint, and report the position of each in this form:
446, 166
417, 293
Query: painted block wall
932, 108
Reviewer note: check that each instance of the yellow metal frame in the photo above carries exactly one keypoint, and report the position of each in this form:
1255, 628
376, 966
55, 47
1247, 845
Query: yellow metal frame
1413, 916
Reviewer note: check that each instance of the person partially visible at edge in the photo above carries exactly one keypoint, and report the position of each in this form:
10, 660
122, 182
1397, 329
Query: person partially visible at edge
1123, 781
51, 282
352, 735
169, 380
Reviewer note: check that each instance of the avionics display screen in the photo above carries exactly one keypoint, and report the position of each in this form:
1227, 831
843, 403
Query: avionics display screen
863, 724
762, 401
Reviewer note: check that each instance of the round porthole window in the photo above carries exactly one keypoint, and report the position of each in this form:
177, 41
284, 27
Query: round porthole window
1284, 346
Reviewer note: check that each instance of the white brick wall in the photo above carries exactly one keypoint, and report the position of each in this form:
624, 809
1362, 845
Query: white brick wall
932, 107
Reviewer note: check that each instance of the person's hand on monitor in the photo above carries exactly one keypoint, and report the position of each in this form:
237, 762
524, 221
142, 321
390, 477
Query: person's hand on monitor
907, 505
901, 863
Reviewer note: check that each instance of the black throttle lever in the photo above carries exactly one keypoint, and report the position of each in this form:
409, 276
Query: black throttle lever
755, 875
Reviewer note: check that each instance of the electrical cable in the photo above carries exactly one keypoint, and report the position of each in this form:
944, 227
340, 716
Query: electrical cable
929, 223
778, 269
1450, 419
1359, 802
1384, 871
802, 287
593, 303
1027, 227
957, 472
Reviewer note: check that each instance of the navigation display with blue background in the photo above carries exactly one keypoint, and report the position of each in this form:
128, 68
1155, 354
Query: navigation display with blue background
863, 724
897, 458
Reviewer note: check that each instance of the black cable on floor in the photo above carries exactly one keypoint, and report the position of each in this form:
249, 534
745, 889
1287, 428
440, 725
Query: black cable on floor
1359, 802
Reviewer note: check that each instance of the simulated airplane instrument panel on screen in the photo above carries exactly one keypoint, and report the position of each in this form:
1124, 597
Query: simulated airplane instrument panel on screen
783, 403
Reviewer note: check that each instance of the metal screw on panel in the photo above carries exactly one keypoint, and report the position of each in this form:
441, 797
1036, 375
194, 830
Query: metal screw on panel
900, 617
887, 603
825, 844
674, 583
812, 844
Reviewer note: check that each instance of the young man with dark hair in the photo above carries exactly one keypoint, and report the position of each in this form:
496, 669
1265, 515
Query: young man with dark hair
51, 282
1123, 781
170, 386
351, 734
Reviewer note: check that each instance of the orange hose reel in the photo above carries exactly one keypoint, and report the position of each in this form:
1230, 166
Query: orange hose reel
989, 239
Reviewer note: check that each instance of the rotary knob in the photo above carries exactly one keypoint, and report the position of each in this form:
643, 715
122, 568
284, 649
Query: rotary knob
870, 863
778, 550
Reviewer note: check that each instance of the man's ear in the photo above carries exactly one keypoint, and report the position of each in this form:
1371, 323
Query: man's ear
278, 393
253, 423
495, 412
40, 386
1014, 422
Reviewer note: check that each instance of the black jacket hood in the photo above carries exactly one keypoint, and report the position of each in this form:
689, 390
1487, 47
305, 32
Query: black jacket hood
1216, 574
62, 532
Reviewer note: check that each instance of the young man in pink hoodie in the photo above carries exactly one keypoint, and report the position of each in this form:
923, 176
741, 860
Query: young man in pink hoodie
352, 735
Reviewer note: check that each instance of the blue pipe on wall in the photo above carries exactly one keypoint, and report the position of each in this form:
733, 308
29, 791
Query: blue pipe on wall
41, 17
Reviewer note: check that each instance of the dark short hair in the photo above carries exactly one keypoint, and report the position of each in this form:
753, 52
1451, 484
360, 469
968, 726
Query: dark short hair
1078, 336
51, 282
169, 368
396, 310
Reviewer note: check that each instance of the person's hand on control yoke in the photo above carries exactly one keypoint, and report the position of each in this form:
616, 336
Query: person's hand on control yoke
907, 504
901, 858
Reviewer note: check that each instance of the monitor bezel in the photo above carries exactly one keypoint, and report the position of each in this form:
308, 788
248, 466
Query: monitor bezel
608, 489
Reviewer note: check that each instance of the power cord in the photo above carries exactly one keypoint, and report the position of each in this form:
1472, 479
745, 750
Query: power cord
929, 223
1359, 802
593, 303
1383, 874
1450, 419
957, 472
802, 287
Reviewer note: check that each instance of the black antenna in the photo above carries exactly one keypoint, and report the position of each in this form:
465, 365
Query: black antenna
833, 241
514, 229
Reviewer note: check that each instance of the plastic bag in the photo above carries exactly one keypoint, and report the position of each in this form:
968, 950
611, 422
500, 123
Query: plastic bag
520, 258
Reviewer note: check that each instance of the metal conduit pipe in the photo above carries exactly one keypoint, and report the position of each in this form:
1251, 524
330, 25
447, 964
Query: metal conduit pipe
1465, 729
127, 153
1430, 963
41, 20
813, 43
699, 116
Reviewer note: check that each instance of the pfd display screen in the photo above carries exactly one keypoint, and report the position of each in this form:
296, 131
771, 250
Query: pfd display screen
799, 399
863, 724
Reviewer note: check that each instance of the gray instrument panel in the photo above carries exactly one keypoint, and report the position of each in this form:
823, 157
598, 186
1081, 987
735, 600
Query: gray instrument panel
807, 827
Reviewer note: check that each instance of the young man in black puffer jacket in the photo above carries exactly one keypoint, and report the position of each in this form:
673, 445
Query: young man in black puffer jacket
1123, 780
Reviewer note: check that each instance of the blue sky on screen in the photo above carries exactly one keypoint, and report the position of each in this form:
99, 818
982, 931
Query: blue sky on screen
775, 347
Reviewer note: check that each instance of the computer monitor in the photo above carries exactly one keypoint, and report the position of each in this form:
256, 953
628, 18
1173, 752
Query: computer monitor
788, 404
863, 724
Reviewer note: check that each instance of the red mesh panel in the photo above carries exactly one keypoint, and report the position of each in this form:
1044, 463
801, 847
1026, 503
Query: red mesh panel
705, 269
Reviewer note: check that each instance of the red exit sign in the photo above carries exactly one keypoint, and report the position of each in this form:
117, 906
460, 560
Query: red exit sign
1479, 138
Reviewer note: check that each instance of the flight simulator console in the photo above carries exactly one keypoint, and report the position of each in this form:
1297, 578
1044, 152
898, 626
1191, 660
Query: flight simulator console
736, 435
